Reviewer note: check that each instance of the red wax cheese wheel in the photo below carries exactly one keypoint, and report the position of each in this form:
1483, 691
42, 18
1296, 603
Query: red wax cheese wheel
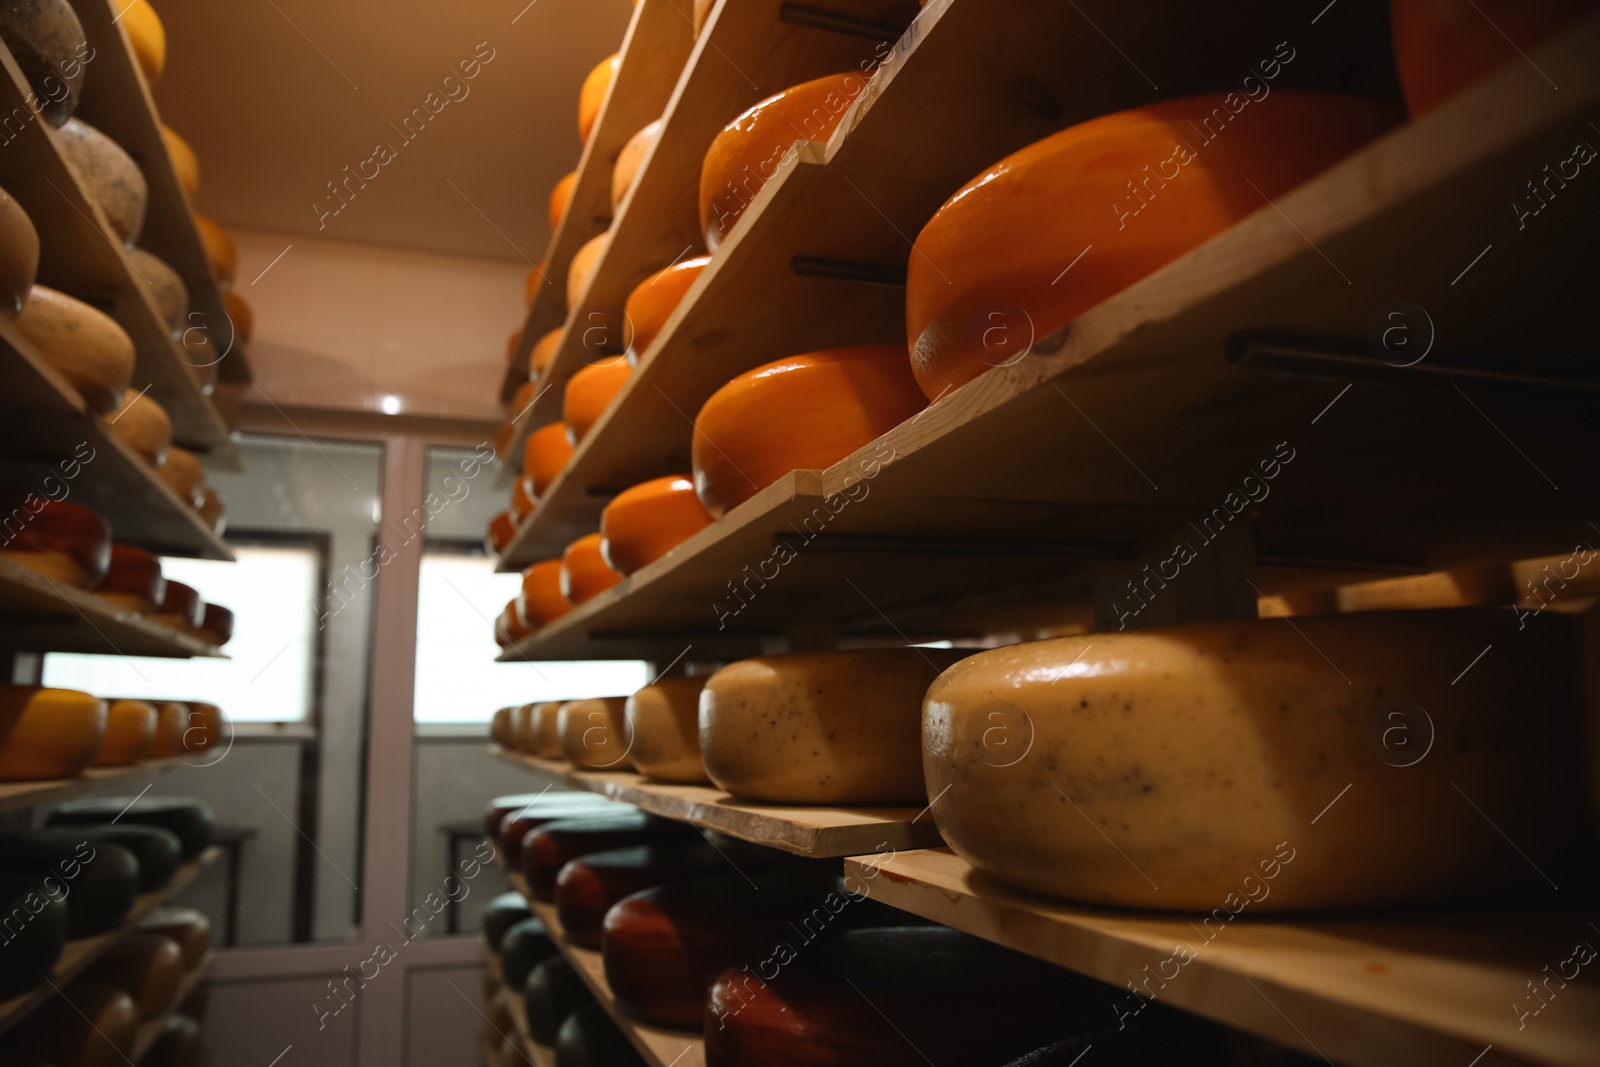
590, 391
594, 734
130, 733
86, 1025
552, 807
584, 571
560, 197
654, 300
593, 94
1129, 192
551, 847
190, 930
542, 601
182, 607
1443, 46
546, 455
664, 725
61, 541
746, 154
804, 412
1156, 733
48, 733
587, 887
644, 523
216, 624
146, 966
133, 580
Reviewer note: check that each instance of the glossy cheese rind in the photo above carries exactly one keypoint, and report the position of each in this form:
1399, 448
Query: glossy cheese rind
594, 734
581, 271
653, 301
664, 723
1329, 763
48, 733
820, 728
585, 574
83, 344
546, 455
542, 601
560, 197
590, 391
645, 522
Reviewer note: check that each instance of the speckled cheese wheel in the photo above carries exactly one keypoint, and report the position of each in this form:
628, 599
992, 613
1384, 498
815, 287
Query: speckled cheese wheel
19, 255
47, 41
184, 162
130, 731
594, 734
109, 174
820, 728
167, 290
85, 346
144, 425
183, 472
48, 733
1196, 766
664, 722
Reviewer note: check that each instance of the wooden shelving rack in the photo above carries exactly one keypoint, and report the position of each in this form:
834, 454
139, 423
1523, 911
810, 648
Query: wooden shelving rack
37, 614
511, 999
15, 796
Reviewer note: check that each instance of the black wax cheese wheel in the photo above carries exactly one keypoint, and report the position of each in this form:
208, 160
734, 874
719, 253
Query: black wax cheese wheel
552, 992
86, 1025
550, 847
189, 819
500, 915
524, 947
590, 1039
1193, 1043
33, 931
178, 1044
100, 881
158, 851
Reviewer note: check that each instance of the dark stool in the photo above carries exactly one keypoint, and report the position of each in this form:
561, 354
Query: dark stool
232, 839
455, 833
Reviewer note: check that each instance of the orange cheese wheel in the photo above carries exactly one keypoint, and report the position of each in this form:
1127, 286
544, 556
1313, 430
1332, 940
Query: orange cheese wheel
652, 303
241, 315
502, 439
746, 154
512, 344
1128, 193
542, 600
83, 344
221, 252
702, 14
520, 400
48, 733
1443, 46
522, 502
147, 36
546, 455
630, 159
584, 571
644, 523
184, 162
593, 94
804, 412
130, 733
584, 261
590, 392
560, 197
172, 719
205, 729
501, 529
544, 350
510, 627
144, 425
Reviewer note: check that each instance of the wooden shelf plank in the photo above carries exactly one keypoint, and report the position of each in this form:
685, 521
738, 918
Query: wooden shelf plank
84, 951
15, 796
39, 615
150, 1031
117, 101
816, 832
44, 423
80, 255
511, 999
1108, 414
1363, 991
659, 1047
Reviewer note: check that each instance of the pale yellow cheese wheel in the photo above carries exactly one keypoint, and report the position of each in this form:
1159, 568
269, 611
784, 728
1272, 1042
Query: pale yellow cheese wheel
820, 727
130, 732
84, 345
664, 722
501, 728
521, 728
108, 174
546, 730
19, 255
594, 734
144, 425
184, 474
48, 733
1327, 764
581, 271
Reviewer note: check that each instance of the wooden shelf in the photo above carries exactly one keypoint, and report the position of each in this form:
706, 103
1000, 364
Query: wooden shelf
1363, 991
38, 615
118, 102
150, 1031
535, 1053
816, 832
995, 502
80, 254
659, 1047
15, 796
84, 951
43, 423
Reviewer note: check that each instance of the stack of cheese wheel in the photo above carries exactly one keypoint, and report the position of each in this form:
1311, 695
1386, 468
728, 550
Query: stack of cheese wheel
644, 523
1002, 237
585, 574
57, 540
48, 733
190, 820
820, 728
803, 412
1271, 734
157, 850
746, 154
514, 828
654, 300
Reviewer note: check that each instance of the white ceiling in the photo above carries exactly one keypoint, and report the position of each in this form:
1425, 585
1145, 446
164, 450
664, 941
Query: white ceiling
278, 96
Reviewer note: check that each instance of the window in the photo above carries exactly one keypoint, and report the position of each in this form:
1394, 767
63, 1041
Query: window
268, 676
458, 680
